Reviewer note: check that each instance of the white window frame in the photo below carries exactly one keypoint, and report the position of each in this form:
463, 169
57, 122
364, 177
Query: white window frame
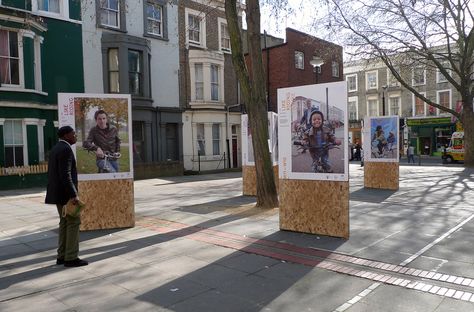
63, 9
390, 98
24, 138
107, 8
414, 105
38, 41
299, 57
348, 85
220, 23
413, 83
206, 58
200, 82
202, 28
376, 99
440, 78
367, 86
203, 139
154, 20
335, 69
438, 98
21, 75
391, 81
216, 140
215, 83
356, 100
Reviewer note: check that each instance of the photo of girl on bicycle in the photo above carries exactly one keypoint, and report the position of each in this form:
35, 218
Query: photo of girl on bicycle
383, 139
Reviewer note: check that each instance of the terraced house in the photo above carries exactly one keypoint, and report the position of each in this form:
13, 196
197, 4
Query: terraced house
40, 55
131, 47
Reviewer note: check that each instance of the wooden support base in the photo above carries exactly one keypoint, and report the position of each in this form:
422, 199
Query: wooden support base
249, 180
109, 204
381, 175
316, 207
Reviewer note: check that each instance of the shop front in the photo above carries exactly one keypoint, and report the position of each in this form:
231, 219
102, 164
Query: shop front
428, 135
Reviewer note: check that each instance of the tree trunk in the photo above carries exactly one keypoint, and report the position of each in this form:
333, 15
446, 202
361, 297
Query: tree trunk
254, 93
468, 125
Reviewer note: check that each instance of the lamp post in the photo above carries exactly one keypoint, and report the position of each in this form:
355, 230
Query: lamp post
317, 62
383, 99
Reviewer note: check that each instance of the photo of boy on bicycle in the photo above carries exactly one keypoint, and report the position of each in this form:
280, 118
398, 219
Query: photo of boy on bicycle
319, 140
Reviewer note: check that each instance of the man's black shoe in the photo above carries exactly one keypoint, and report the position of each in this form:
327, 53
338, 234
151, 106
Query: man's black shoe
59, 261
75, 263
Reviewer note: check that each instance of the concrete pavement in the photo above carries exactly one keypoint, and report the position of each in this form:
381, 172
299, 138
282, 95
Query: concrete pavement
198, 245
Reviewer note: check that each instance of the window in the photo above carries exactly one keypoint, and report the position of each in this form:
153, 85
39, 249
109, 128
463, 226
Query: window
444, 98
352, 107
419, 106
440, 78
198, 82
135, 72
299, 60
9, 58
351, 83
171, 141
371, 80
13, 141
49, 6
154, 16
373, 107
110, 13
114, 81
335, 69
201, 143
214, 82
196, 28
224, 37
394, 102
392, 81
419, 75
216, 139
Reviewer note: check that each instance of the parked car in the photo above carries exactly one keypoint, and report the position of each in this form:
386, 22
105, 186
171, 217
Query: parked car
454, 152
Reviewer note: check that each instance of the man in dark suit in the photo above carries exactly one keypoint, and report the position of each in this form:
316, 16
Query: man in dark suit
62, 187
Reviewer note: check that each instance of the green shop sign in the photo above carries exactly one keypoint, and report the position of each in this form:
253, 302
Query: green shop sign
428, 121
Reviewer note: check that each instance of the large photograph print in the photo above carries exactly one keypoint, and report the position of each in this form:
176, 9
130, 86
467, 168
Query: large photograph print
247, 147
103, 129
313, 132
381, 144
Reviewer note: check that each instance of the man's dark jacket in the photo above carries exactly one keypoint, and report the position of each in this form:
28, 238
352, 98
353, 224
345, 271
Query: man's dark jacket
62, 175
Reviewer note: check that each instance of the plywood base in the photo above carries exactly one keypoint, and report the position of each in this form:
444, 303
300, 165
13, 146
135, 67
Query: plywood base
249, 180
109, 204
316, 207
381, 175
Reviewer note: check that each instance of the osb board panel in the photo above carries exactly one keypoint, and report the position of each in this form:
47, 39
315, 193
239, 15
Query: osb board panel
109, 204
381, 175
249, 180
316, 207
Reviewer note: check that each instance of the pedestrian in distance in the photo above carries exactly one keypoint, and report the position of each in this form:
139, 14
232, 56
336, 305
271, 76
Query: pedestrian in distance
411, 153
62, 187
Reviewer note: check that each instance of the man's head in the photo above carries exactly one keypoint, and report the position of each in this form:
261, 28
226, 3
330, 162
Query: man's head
308, 103
67, 134
100, 117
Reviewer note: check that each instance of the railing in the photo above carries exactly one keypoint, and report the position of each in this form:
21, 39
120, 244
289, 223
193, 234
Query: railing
24, 170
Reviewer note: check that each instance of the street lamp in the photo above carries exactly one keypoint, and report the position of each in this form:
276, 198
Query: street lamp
317, 62
383, 99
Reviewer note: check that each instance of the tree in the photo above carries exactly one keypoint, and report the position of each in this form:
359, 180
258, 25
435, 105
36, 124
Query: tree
404, 34
253, 86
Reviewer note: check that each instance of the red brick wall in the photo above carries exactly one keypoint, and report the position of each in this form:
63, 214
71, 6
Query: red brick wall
283, 72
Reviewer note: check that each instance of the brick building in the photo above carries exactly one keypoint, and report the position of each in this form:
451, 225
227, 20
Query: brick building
288, 63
